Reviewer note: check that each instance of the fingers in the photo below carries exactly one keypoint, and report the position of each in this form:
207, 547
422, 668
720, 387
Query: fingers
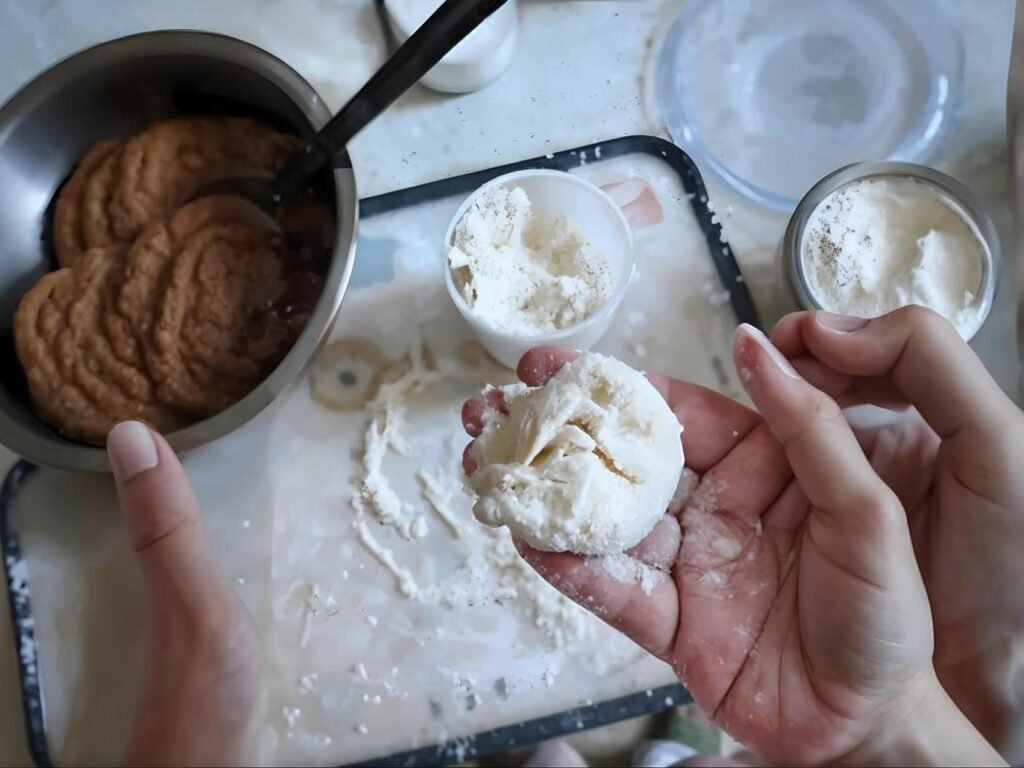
714, 423
847, 390
649, 619
915, 349
540, 364
469, 465
473, 410
661, 546
162, 515
819, 444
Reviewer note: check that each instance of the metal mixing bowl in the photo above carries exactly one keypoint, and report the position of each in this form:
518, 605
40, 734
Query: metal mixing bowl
115, 89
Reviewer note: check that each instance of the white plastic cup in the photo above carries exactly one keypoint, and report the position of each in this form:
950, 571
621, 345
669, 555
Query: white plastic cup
553, 194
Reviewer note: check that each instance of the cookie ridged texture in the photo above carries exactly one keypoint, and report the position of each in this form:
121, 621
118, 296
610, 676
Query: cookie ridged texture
201, 296
120, 187
75, 381
69, 219
171, 160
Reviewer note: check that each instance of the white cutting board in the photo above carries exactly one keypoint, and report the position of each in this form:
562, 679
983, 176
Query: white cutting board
277, 501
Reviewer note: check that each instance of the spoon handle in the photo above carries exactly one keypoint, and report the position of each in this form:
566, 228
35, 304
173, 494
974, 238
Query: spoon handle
445, 29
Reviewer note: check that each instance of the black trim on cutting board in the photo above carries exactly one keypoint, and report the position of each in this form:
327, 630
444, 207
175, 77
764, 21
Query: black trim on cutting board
25, 648
530, 732
508, 737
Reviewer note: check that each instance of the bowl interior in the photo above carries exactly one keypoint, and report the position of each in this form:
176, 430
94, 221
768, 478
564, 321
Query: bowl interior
103, 93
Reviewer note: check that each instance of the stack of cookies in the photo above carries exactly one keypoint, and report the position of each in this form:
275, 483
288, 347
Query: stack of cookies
160, 313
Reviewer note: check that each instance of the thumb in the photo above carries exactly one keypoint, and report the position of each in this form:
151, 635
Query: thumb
914, 350
162, 516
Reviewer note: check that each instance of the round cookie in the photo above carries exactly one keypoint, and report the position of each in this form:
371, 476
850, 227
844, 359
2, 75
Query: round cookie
36, 325
68, 219
76, 383
169, 161
200, 297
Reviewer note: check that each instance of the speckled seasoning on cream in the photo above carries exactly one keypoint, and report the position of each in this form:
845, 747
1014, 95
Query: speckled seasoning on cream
875, 245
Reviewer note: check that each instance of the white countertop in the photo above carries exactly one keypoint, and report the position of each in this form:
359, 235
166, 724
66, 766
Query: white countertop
578, 77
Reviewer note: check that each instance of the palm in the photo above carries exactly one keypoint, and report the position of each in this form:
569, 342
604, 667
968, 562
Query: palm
801, 628
772, 611
781, 625
966, 530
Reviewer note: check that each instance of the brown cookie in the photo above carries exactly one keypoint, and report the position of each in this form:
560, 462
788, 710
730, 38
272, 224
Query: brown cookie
201, 297
168, 162
97, 226
76, 382
69, 218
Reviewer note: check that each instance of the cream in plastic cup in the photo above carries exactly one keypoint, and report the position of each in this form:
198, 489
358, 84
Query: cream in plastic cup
553, 194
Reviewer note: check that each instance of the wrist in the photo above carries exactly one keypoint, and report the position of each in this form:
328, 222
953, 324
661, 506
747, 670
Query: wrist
928, 730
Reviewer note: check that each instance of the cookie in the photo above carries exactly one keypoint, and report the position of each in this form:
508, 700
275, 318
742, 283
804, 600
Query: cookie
69, 219
75, 381
201, 296
97, 226
171, 160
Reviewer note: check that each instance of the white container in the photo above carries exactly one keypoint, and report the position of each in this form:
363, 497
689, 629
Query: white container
478, 60
552, 194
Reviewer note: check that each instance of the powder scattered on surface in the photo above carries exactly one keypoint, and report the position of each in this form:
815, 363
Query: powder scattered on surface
628, 570
440, 501
523, 273
383, 433
875, 245
407, 584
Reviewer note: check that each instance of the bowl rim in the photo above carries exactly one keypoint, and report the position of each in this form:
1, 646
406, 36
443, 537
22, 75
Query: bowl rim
59, 453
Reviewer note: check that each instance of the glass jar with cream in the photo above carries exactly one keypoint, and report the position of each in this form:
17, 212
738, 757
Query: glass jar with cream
873, 237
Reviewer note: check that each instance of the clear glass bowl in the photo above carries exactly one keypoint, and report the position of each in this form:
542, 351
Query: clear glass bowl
771, 95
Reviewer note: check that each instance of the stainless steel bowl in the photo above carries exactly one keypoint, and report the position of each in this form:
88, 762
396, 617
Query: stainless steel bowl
114, 89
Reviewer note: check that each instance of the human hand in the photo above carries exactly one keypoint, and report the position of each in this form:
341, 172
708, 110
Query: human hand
203, 670
795, 612
959, 478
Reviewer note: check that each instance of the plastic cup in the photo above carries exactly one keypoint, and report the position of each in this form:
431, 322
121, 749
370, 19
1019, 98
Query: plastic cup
552, 194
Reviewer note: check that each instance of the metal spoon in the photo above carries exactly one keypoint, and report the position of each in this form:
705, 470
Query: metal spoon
445, 29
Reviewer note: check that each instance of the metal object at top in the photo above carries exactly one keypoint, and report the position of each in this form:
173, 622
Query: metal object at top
793, 282
115, 89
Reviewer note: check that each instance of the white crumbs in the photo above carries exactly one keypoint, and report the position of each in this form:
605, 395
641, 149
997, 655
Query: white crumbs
308, 683
628, 570
407, 584
522, 273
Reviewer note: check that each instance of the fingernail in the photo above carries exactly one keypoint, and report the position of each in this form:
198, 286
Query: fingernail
131, 449
773, 354
840, 323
